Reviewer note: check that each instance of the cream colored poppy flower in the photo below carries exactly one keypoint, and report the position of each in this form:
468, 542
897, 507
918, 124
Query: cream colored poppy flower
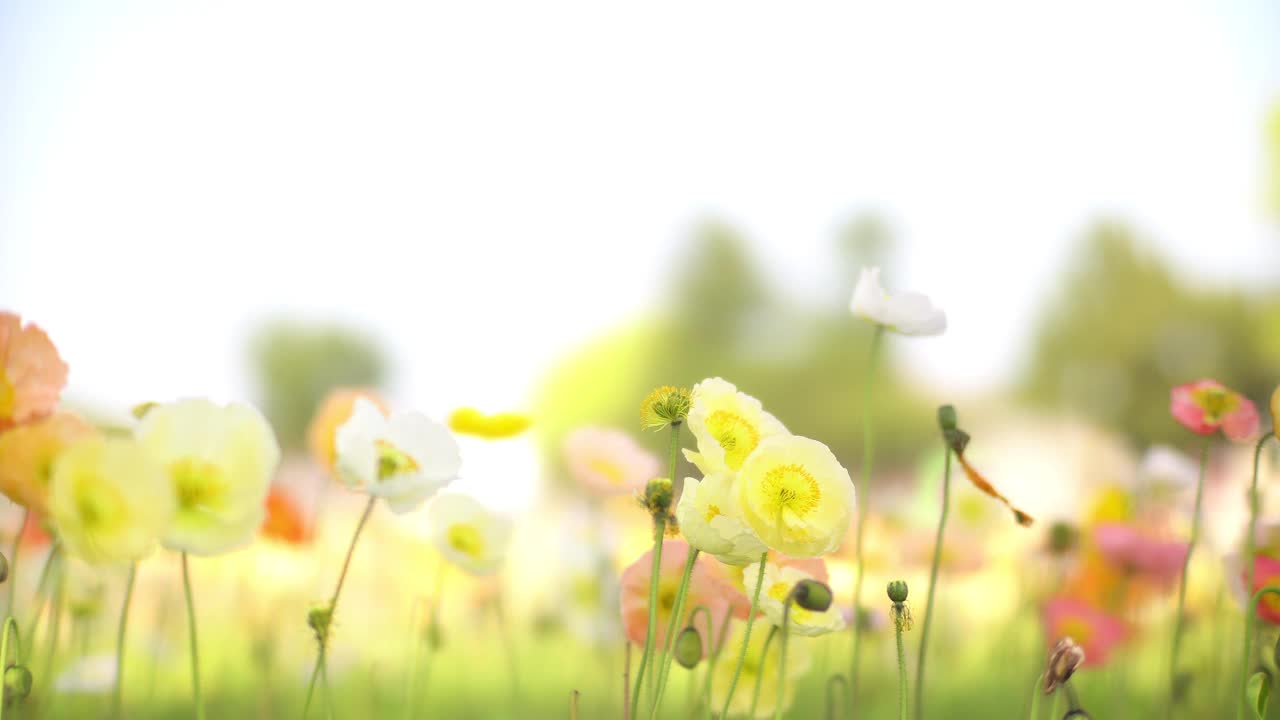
778, 583
907, 313
796, 496
728, 425
468, 534
711, 521
404, 459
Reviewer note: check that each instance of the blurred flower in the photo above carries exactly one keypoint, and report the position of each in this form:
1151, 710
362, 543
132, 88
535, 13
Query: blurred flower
284, 520
907, 313
404, 459
109, 500
608, 462
1206, 405
665, 406
32, 374
711, 520
728, 425
331, 414
29, 451
758, 667
88, 674
962, 551
1136, 552
703, 590
1164, 467
1094, 630
1266, 571
796, 496
467, 533
498, 426
85, 587
778, 583
731, 579
588, 603
220, 459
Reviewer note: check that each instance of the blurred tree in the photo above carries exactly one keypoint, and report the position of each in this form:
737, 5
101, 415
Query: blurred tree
1122, 330
297, 364
723, 319
1273, 163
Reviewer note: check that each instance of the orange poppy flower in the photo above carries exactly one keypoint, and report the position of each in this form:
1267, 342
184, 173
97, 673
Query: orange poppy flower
32, 374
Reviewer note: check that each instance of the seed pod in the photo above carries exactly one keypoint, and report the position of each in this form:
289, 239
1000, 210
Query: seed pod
17, 683
688, 649
897, 591
812, 595
947, 418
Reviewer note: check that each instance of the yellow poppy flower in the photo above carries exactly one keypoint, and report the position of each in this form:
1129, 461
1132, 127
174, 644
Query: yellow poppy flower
796, 496
498, 426
29, 452
728, 425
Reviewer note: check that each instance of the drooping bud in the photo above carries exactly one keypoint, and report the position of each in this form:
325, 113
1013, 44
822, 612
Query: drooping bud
4, 568
17, 683
947, 418
688, 648
657, 497
1064, 658
812, 595
897, 591
665, 406
318, 619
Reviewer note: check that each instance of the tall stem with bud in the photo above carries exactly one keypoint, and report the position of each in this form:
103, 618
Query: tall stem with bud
868, 449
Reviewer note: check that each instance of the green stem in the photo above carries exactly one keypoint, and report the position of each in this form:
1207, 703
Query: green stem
831, 705
868, 451
55, 624
117, 702
41, 588
1182, 582
10, 630
13, 560
677, 610
1251, 616
412, 686
659, 530
902, 673
755, 693
195, 648
751, 618
1036, 694
933, 584
782, 656
1249, 542
717, 644
323, 639
1073, 700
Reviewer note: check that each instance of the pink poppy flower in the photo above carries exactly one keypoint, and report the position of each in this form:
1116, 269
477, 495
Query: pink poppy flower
1206, 405
1266, 571
703, 590
608, 462
729, 578
1093, 629
1138, 553
32, 374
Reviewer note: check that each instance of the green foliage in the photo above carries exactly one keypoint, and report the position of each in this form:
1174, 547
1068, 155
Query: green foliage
295, 365
1122, 330
1258, 694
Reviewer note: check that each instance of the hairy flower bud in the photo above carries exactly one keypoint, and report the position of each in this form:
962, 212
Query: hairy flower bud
947, 418
897, 591
812, 595
688, 648
1064, 658
318, 619
17, 683
658, 496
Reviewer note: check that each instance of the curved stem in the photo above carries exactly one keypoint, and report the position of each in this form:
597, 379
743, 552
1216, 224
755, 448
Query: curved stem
764, 654
717, 644
782, 655
10, 630
746, 638
677, 610
933, 583
831, 706
1249, 542
659, 530
195, 648
13, 560
117, 702
1182, 581
864, 480
1251, 616
902, 673
323, 635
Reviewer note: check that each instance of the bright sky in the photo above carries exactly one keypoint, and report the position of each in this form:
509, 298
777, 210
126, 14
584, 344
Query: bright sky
486, 184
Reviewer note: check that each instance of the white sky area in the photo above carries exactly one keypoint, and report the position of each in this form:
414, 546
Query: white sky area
486, 185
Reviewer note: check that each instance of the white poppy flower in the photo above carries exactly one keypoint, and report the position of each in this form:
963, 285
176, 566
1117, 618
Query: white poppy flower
403, 459
908, 313
711, 521
778, 583
467, 533
1164, 467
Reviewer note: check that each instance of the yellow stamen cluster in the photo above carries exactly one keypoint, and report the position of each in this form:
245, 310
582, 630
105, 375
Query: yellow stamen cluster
667, 405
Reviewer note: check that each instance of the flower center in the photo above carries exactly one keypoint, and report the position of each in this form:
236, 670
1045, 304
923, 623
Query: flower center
96, 502
467, 540
1216, 402
736, 436
1077, 629
608, 469
7, 395
713, 511
393, 461
791, 487
197, 483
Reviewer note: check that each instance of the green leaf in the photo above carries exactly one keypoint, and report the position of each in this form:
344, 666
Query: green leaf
1258, 692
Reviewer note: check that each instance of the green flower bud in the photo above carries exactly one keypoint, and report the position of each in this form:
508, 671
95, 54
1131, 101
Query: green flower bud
688, 649
318, 619
898, 591
947, 418
812, 595
4, 568
658, 496
1063, 537
17, 683
957, 440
